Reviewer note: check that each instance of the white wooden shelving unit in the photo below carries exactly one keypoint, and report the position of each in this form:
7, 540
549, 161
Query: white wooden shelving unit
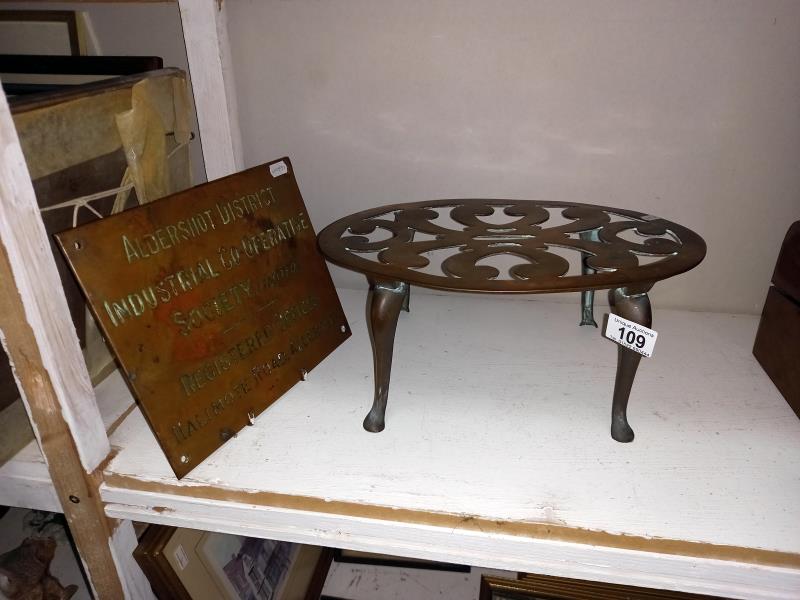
497, 450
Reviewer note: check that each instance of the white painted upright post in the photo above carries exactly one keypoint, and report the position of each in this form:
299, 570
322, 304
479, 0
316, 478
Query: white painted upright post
38, 335
205, 33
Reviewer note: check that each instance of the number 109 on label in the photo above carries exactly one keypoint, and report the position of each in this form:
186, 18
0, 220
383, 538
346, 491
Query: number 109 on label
626, 333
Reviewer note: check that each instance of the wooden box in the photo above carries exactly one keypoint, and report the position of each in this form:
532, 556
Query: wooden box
777, 346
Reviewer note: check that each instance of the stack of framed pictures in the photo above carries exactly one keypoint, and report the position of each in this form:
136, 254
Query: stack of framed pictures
186, 564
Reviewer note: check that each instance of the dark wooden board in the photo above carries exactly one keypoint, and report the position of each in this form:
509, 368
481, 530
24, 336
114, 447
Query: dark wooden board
777, 345
78, 65
215, 301
787, 268
103, 172
545, 587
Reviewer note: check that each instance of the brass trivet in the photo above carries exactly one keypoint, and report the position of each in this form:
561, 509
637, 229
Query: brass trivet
391, 245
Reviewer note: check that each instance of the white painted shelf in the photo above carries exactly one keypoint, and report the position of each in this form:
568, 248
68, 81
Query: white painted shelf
497, 453
24, 479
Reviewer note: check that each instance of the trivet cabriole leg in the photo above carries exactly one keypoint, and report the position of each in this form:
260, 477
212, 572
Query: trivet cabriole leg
634, 306
587, 296
384, 302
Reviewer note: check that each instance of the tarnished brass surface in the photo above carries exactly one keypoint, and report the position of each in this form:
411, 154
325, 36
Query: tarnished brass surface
215, 302
408, 231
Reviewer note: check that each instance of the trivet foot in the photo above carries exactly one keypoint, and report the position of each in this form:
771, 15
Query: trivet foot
620, 430
587, 312
374, 421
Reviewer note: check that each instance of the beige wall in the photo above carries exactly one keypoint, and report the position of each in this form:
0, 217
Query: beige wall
688, 110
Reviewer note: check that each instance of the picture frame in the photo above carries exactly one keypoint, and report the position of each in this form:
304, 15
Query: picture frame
54, 32
528, 586
342, 555
188, 564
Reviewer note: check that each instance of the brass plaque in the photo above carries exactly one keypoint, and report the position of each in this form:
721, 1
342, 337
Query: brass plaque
214, 300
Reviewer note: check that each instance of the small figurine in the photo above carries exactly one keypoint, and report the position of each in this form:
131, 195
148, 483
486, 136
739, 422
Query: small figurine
25, 574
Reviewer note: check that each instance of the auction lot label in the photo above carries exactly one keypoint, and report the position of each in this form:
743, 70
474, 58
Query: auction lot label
633, 336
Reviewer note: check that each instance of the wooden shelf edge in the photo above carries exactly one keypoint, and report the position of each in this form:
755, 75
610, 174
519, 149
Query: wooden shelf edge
696, 574
131, 490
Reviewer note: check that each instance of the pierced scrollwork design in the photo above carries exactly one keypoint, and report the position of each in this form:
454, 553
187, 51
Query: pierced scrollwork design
595, 233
